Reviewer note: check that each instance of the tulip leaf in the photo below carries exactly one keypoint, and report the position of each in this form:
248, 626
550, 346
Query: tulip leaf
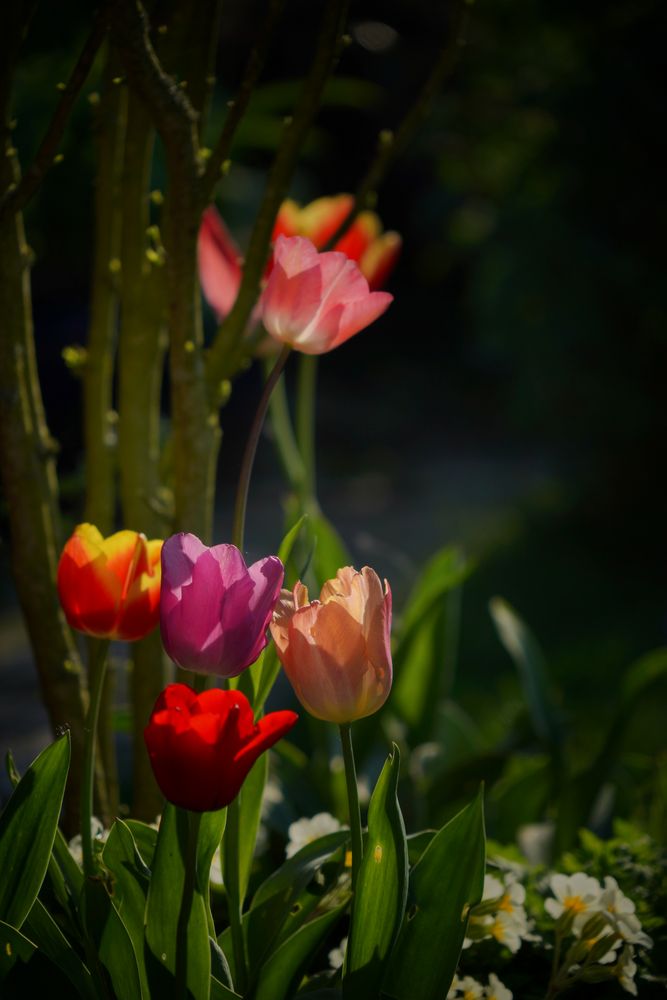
13, 946
417, 844
145, 838
379, 901
221, 992
163, 911
330, 551
275, 897
425, 654
130, 888
269, 668
529, 660
111, 941
28, 827
446, 881
290, 539
251, 812
51, 941
283, 970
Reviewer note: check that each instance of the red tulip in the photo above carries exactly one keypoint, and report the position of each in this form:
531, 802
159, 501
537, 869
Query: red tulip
316, 301
202, 746
110, 587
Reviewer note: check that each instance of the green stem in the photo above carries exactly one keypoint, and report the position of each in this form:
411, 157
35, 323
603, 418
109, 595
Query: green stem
353, 801
305, 420
97, 672
283, 432
238, 529
231, 845
189, 881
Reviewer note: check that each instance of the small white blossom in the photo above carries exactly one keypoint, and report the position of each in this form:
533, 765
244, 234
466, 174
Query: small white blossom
466, 989
304, 831
626, 969
577, 894
497, 990
621, 913
509, 923
337, 955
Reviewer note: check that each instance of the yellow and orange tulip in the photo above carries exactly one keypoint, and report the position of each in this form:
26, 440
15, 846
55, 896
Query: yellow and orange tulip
110, 587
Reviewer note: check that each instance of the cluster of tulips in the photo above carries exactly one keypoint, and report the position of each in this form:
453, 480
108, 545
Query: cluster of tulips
214, 612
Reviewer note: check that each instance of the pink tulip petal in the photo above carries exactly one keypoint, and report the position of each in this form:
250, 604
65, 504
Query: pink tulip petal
360, 314
219, 263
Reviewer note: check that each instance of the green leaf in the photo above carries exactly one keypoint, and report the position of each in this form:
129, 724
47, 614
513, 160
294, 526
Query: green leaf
425, 654
268, 670
221, 992
130, 889
379, 902
27, 830
275, 897
50, 940
446, 881
529, 660
330, 551
282, 972
111, 941
13, 946
163, 910
145, 837
290, 539
417, 844
211, 828
250, 816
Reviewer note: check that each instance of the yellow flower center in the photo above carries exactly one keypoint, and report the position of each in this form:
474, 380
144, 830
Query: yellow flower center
505, 904
575, 904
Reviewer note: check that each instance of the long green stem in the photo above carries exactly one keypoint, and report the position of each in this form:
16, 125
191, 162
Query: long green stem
283, 433
353, 801
189, 881
97, 671
238, 529
305, 420
231, 845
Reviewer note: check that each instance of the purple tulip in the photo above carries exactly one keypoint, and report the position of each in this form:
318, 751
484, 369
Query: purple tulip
215, 610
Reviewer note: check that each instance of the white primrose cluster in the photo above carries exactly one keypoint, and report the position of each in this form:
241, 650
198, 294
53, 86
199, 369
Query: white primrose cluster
501, 914
604, 925
469, 989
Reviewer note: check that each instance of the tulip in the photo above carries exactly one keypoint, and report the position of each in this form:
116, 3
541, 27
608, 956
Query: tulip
110, 587
219, 263
317, 221
215, 610
202, 746
316, 301
335, 651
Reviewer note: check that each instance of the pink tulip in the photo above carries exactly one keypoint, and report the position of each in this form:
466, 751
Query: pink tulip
336, 651
215, 610
316, 301
219, 263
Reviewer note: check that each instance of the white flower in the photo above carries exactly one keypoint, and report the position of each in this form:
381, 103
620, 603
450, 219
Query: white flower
337, 955
535, 841
577, 894
509, 922
626, 969
468, 989
497, 990
303, 831
622, 916
97, 832
509, 928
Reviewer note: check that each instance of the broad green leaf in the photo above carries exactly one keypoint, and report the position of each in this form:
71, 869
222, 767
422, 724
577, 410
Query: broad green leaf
290, 539
444, 884
276, 896
529, 660
14, 946
211, 828
27, 830
50, 940
417, 844
163, 911
282, 972
379, 900
145, 838
130, 889
426, 651
111, 941
269, 668
330, 551
221, 992
250, 815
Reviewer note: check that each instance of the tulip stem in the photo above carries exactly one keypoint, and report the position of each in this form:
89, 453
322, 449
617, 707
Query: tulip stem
353, 801
189, 880
305, 421
238, 529
97, 668
232, 873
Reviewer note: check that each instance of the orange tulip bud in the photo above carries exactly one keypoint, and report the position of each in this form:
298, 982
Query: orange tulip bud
110, 587
336, 651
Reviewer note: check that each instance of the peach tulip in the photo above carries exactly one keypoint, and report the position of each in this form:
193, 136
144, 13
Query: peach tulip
336, 651
316, 301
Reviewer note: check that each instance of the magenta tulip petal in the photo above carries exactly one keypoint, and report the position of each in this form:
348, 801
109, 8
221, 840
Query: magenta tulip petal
214, 609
